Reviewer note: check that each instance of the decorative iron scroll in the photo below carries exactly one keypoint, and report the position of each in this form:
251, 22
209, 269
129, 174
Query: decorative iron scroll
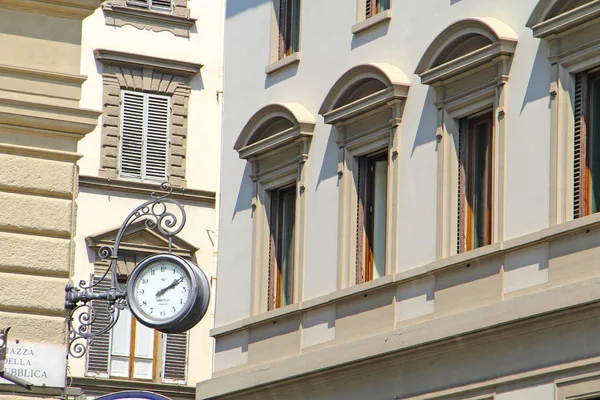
160, 213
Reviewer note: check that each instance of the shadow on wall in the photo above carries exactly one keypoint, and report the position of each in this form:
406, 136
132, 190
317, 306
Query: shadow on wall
329, 163
237, 6
538, 85
369, 35
244, 199
281, 75
427, 123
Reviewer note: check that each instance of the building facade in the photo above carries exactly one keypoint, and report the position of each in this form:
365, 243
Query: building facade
42, 121
408, 201
154, 70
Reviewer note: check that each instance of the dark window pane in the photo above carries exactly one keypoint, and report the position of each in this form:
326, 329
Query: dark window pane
594, 146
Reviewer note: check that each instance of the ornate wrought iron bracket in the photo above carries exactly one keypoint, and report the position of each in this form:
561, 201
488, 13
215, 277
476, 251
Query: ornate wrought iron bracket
161, 213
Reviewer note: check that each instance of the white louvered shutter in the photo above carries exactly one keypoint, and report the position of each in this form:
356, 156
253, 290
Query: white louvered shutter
139, 3
175, 357
132, 134
144, 136
99, 348
162, 5
157, 137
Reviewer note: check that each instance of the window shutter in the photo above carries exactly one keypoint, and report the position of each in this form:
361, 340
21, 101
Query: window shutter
132, 134
138, 3
271, 291
157, 137
461, 214
162, 5
368, 8
99, 348
580, 206
175, 356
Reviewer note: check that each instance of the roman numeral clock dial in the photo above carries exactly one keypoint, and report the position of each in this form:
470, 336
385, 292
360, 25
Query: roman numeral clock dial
168, 293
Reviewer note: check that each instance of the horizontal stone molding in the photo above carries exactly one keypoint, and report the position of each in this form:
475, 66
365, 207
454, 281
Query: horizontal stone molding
130, 60
179, 24
37, 152
74, 9
37, 73
145, 189
375, 20
72, 121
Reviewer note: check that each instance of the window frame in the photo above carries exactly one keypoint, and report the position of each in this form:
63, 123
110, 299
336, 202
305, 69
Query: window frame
149, 5
280, 58
366, 125
365, 263
277, 161
466, 159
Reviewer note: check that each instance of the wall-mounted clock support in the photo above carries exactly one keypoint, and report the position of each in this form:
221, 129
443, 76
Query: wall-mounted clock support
160, 213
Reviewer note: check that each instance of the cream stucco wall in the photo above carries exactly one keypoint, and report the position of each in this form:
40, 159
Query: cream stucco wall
103, 209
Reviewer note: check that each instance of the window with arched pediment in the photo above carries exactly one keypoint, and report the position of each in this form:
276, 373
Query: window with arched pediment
365, 106
276, 141
571, 30
468, 65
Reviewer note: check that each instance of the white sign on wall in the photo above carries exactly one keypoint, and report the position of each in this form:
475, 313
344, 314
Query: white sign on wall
37, 363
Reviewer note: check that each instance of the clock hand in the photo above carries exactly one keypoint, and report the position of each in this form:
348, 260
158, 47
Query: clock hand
172, 285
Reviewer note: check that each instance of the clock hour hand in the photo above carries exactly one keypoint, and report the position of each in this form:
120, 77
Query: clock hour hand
172, 285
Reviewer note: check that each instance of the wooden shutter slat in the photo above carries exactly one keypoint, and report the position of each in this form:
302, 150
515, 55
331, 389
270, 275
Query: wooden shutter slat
175, 356
368, 8
98, 355
580, 196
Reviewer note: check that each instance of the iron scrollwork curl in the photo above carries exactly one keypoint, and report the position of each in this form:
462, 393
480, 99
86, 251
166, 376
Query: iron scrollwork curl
160, 213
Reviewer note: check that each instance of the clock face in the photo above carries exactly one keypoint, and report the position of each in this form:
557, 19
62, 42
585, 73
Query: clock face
161, 290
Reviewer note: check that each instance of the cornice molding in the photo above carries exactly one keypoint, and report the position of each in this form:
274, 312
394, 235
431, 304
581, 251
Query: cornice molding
73, 9
562, 22
130, 60
37, 152
145, 189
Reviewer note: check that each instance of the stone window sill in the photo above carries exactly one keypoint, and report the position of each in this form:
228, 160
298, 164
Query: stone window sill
370, 22
283, 63
145, 19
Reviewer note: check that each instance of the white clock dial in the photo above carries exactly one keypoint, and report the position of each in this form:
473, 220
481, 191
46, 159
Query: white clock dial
161, 290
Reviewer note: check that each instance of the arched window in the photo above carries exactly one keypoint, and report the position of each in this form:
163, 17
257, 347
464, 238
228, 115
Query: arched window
468, 64
571, 29
276, 141
365, 105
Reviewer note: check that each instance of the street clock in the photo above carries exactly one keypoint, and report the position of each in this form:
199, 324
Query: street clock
168, 293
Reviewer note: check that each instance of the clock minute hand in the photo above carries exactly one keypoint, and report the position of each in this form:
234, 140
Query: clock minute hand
172, 285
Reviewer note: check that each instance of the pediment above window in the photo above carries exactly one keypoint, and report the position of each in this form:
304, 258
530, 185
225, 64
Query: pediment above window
465, 46
141, 240
556, 16
274, 127
361, 89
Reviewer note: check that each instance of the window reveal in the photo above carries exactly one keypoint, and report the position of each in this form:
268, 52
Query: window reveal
371, 217
289, 27
374, 7
586, 179
475, 183
281, 247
